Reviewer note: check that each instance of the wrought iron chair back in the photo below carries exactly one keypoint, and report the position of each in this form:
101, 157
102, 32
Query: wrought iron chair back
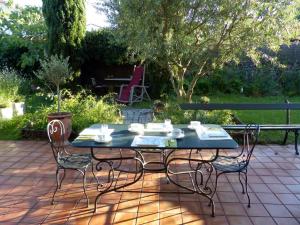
250, 139
239, 163
65, 160
56, 134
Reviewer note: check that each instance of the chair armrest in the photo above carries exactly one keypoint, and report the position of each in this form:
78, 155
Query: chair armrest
139, 86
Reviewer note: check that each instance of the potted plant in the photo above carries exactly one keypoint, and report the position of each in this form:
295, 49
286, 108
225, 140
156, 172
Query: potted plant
56, 71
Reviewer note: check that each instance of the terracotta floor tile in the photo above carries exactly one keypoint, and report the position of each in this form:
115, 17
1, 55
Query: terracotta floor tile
35, 216
150, 197
270, 179
258, 188
148, 207
256, 210
294, 188
13, 215
193, 219
79, 220
102, 218
268, 198
170, 218
225, 186
191, 207
278, 188
286, 221
288, 198
234, 209
294, 209
277, 210
262, 221
57, 217
240, 220
125, 218
288, 180
227, 196
207, 210
169, 207
129, 206
217, 220
148, 218
244, 199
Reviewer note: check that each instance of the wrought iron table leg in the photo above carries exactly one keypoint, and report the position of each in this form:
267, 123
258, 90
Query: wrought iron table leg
202, 189
109, 161
296, 141
285, 137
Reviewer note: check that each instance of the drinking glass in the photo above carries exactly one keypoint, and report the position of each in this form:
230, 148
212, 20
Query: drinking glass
168, 122
104, 128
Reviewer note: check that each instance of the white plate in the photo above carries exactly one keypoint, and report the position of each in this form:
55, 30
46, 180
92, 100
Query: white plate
135, 130
94, 131
108, 139
148, 141
192, 127
176, 137
158, 128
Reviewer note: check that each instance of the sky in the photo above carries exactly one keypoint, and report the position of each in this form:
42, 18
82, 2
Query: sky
94, 19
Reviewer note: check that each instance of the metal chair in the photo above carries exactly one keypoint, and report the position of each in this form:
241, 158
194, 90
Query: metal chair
65, 160
239, 163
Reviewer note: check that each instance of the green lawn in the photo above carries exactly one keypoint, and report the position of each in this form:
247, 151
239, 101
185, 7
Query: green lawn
263, 116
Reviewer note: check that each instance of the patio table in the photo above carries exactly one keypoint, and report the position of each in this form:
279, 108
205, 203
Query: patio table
122, 139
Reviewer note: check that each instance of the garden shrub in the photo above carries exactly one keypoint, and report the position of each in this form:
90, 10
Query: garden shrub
11, 129
178, 116
86, 110
10, 84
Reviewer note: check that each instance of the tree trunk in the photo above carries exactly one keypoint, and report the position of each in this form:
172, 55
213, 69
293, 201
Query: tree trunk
58, 98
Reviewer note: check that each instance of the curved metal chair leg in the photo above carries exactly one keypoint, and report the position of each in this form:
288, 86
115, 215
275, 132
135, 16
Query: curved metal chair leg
246, 184
57, 184
84, 181
64, 175
215, 189
92, 165
243, 190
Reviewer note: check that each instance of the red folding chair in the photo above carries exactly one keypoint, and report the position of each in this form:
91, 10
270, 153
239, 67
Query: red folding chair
136, 89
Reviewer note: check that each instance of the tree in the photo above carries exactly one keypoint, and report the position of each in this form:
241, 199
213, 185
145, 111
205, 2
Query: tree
190, 38
22, 37
66, 24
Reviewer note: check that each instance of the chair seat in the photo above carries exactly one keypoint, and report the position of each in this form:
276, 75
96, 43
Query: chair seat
229, 164
75, 161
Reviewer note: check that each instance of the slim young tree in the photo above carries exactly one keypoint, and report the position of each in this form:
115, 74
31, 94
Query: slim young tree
192, 37
66, 23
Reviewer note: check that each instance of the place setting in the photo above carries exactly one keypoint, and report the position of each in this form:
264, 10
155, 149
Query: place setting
208, 131
100, 134
155, 134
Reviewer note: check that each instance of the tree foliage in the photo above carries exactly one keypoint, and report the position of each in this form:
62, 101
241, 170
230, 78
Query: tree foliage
22, 37
190, 38
56, 71
102, 46
66, 23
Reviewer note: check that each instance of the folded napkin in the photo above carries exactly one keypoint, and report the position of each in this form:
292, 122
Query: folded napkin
212, 134
92, 132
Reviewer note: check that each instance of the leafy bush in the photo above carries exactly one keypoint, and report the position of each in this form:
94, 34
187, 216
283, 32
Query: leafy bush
178, 116
86, 110
11, 129
10, 83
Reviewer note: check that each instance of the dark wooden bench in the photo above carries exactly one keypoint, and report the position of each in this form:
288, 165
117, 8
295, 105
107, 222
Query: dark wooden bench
288, 127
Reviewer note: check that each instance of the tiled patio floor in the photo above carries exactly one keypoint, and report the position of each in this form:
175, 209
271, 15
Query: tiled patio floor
27, 182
